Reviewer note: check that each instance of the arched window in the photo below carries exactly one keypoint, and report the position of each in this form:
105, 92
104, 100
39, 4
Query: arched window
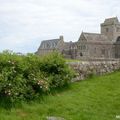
95, 50
103, 51
107, 30
117, 29
81, 54
118, 39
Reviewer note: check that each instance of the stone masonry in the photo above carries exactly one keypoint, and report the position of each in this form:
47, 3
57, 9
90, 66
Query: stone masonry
89, 45
86, 69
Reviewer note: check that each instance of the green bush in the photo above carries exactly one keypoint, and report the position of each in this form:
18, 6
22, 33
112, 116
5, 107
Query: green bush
23, 77
58, 72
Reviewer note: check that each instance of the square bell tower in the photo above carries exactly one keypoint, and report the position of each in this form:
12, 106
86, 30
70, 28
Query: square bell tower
111, 28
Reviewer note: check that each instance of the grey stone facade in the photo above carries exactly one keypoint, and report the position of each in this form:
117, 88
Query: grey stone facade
89, 45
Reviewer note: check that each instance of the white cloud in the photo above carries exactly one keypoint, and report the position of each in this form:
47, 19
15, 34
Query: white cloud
24, 23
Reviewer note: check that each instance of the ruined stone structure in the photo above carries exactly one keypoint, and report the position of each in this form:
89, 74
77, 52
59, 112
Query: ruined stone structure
89, 45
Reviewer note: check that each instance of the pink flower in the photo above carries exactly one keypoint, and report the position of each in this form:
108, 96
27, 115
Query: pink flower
38, 83
9, 93
9, 61
9, 84
40, 86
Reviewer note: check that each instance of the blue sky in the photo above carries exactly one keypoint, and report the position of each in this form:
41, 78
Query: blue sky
25, 23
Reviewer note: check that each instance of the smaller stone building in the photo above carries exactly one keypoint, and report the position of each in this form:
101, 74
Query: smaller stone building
48, 46
102, 45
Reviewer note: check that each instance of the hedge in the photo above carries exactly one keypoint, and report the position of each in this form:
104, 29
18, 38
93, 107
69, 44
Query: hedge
24, 77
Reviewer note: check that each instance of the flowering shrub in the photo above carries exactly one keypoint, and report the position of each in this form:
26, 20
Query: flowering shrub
27, 76
58, 72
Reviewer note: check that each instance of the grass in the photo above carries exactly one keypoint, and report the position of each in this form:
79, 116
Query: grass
72, 60
97, 98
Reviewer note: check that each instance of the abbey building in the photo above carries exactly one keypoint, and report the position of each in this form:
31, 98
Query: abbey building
89, 45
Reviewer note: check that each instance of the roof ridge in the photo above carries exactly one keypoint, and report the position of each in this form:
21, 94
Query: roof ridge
91, 33
51, 39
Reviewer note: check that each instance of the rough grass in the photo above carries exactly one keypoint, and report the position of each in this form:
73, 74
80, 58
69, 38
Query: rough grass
97, 98
72, 60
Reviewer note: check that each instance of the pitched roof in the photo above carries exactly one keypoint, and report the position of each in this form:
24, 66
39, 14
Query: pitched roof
49, 44
69, 45
95, 37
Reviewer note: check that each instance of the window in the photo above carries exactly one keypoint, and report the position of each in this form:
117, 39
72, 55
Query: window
95, 50
81, 54
117, 29
103, 51
118, 39
107, 29
82, 47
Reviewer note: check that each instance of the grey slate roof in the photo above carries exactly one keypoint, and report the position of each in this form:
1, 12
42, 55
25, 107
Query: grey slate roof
95, 37
68, 45
49, 44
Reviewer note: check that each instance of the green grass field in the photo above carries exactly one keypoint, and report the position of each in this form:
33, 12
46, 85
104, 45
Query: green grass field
97, 98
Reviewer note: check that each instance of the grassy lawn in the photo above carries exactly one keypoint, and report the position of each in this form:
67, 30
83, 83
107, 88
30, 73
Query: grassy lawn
97, 98
72, 60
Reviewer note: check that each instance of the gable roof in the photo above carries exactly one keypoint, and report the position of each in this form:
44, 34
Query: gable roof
69, 45
49, 44
94, 37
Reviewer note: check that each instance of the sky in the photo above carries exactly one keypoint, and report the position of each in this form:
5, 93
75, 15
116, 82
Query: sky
25, 23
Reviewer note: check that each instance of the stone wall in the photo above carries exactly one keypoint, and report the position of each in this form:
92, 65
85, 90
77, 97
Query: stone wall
89, 68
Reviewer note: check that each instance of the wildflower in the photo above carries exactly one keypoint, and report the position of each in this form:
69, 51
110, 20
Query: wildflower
5, 92
9, 93
40, 86
13, 63
38, 83
9, 61
46, 87
9, 84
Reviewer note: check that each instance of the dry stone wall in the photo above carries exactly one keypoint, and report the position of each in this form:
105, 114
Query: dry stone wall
86, 69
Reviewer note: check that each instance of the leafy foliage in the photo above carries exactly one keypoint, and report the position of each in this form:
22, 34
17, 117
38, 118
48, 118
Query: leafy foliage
27, 76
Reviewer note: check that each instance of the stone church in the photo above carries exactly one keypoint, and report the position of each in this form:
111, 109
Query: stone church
102, 45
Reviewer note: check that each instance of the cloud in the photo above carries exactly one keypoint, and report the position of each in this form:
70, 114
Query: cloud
25, 23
